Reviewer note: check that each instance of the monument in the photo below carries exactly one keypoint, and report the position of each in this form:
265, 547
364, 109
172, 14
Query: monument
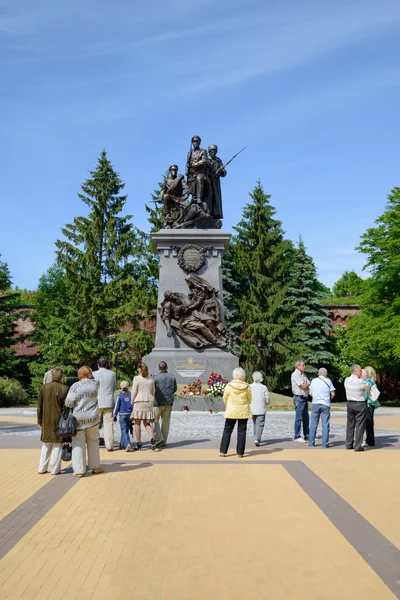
190, 334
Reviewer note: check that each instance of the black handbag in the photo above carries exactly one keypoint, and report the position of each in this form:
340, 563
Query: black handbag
67, 425
67, 451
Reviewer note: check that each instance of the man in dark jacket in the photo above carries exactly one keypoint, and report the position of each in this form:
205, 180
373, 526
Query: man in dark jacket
50, 406
165, 388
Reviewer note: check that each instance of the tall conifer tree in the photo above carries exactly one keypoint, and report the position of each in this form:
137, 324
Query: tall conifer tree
9, 307
263, 263
312, 322
105, 261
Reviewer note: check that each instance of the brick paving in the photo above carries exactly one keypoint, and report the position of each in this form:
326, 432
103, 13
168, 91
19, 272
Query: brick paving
186, 524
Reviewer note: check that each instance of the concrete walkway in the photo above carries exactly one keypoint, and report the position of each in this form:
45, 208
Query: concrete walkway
285, 522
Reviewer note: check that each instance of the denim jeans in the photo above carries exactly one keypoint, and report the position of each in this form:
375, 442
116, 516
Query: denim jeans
301, 406
317, 411
124, 425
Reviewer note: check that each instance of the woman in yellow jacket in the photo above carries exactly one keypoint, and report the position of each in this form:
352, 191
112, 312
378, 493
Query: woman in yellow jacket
237, 397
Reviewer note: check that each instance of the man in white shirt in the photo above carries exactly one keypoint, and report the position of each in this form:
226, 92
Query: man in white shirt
48, 378
322, 392
356, 409
300, 385
107, 386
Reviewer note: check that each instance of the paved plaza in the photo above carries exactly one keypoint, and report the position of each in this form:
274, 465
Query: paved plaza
284, 522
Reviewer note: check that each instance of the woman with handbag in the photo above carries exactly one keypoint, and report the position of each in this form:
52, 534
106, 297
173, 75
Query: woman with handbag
50, 406
372, 401
82, 398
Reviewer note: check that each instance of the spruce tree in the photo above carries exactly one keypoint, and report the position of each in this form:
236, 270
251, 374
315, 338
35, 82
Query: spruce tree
312, 321
10, 311
263, 263
231, 291
155, 218
105, 261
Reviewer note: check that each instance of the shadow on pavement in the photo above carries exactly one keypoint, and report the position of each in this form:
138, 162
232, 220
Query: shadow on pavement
264, 451
121, 467
183, 443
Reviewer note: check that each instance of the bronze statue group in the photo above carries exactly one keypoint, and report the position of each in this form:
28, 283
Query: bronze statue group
203, 184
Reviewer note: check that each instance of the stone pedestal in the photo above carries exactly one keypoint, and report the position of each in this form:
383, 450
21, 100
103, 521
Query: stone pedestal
185, 362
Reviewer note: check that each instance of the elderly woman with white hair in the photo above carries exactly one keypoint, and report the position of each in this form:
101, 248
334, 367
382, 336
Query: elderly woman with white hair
260, 399
237, 398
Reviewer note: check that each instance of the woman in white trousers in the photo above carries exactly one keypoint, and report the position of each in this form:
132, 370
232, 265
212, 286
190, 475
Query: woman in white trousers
82, 398
50, 406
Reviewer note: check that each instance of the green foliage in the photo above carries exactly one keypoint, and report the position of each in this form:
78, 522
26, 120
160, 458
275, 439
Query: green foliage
12, 393
373, 336
231, 292
263, 262
155, 218
312, 323
349, 285
101, 281
10, 312
325, 292
27, 298
342, 300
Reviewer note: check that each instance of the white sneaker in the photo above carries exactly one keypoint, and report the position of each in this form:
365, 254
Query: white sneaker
256, 443
299, 439
128, 448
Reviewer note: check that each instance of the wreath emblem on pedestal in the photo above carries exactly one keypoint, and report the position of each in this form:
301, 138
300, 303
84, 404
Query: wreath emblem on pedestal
191, 258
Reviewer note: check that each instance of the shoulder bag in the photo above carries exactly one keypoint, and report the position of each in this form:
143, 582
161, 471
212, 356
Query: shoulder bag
67, 425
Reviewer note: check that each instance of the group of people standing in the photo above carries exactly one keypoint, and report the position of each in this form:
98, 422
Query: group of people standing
362, 399
150, 401
91, 399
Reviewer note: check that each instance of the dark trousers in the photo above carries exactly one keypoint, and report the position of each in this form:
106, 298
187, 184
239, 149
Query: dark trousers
356, 416
301, 417
241, 436
369, 426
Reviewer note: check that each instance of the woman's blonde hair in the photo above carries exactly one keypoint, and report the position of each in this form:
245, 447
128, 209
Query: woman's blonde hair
85, 372
145, 369
371, 373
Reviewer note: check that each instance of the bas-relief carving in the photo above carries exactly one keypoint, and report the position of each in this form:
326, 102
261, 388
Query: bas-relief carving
195, 317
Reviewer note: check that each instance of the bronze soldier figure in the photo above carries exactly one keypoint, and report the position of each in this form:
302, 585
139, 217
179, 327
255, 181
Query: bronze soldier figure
174, 191
196, 172
216, 170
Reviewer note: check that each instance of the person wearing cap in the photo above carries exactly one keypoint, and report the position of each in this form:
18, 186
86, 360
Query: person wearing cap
174, 190
123, 408
215, 172
196, 172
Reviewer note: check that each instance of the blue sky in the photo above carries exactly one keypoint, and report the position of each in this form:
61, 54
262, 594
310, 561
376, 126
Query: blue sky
310, 86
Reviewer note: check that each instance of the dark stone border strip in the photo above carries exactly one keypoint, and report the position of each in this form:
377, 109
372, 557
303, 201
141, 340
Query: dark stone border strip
380, 554
17, 523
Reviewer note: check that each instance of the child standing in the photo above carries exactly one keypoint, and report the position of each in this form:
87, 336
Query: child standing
124, 408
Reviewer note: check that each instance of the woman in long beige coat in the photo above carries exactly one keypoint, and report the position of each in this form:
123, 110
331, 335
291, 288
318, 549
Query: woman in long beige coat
237, 397
143, 400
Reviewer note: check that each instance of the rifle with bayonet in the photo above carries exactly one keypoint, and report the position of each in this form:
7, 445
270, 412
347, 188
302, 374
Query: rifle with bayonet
222, 167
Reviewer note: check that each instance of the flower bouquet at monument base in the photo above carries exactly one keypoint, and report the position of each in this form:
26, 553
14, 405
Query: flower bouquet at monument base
216, 385
193, 389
